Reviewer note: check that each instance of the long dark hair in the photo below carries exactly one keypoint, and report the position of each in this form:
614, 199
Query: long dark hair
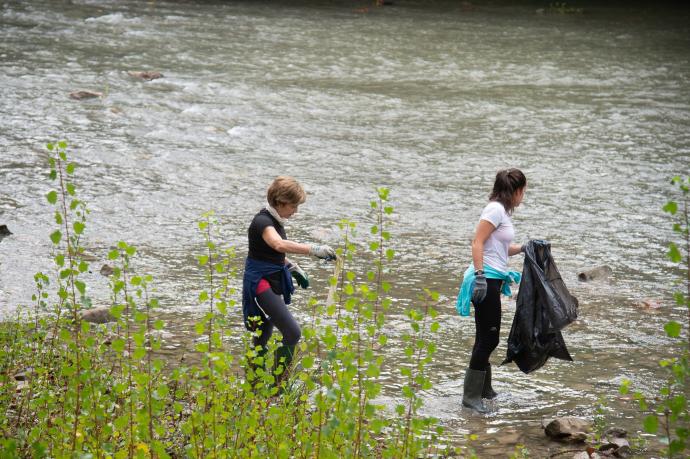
508, 182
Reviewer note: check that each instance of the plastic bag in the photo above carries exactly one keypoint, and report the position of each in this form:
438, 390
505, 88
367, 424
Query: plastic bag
544, 307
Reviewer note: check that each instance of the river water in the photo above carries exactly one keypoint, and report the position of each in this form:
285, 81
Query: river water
426, 98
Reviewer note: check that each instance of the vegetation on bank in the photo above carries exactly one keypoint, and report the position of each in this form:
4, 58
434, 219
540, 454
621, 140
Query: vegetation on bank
99, 392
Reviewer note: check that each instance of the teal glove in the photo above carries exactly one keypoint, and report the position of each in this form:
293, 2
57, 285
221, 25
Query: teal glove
299, 274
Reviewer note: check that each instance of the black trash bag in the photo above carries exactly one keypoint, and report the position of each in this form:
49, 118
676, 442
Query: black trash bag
544, 306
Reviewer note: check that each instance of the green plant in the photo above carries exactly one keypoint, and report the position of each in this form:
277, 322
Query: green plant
103, 391
669, 412
520, 452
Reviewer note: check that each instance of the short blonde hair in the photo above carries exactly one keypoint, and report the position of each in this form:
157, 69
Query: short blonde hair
285, 190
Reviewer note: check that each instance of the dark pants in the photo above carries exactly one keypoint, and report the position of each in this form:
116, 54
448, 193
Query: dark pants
278, 315
487, 321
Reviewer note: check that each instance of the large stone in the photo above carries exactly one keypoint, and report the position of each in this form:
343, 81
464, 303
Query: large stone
597, 273
568, 427
98, 316
615, 432
4, 231
107, 270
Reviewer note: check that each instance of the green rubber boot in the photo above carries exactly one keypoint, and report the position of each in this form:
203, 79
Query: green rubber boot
282, 362
488, 391
472, 394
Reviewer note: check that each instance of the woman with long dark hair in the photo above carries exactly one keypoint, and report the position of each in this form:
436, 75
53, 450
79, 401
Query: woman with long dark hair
486, 278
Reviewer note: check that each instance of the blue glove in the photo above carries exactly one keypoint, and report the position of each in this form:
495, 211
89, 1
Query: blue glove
479, 291
299, 274
322, 251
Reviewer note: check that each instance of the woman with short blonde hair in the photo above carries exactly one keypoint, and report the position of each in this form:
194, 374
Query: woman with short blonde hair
267, 285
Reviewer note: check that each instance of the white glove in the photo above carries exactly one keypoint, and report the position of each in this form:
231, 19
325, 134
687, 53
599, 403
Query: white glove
322, 251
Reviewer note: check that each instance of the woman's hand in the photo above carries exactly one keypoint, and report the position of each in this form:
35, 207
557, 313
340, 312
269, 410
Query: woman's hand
299, 274
324, 252
479, 291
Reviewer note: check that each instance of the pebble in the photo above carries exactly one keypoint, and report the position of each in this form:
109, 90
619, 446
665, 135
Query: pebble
79, 95
146, 75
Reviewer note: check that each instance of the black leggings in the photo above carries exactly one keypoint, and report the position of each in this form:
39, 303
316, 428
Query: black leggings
277, 314
487, 320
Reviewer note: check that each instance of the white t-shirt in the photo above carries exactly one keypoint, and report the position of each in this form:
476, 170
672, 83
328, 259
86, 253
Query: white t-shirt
496, 246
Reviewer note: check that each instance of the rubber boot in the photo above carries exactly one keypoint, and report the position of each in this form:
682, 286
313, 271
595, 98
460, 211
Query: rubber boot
488, 391
283, 359
472, 394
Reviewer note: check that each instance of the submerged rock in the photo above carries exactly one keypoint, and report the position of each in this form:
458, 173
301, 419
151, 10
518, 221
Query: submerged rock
597, 273
79, 95
98, 316
4, 231
649, 303
107, 270
146, 75
568, 428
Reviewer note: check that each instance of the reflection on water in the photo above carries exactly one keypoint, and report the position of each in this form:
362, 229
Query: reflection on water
429, 100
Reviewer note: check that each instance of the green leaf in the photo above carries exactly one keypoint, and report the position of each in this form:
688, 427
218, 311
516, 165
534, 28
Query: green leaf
50, 146
52, 196
70, 168
671, 207
55, 237
58, 218
203, 296
71, 189
651, 424
113, 254
62, 144
118, 345
672, 329
158, 325
388, 210
308, 362
78, 227
673, 253
203, 259
81, 286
